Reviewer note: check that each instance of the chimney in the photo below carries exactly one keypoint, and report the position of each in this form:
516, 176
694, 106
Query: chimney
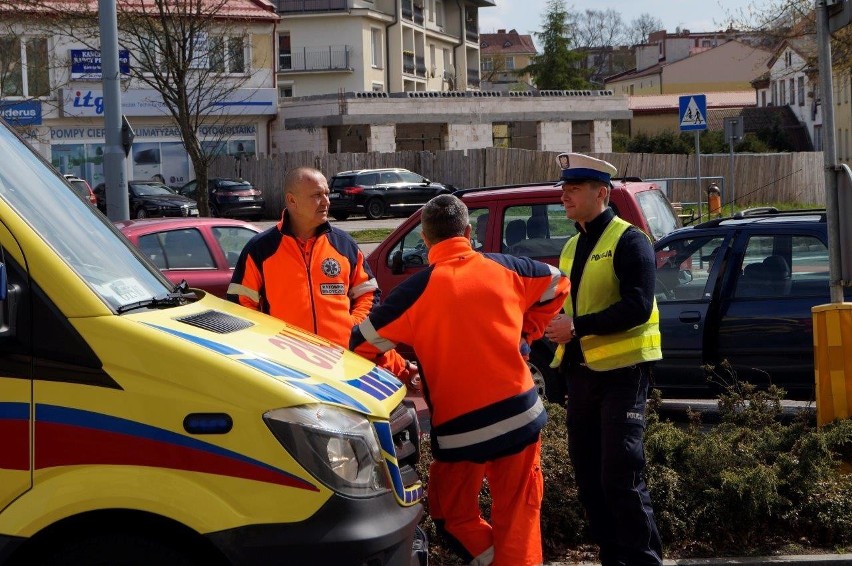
501, 31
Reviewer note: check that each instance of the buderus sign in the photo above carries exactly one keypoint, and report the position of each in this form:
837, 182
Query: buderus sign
25, 113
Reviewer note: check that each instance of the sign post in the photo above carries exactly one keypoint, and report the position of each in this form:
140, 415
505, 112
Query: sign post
692, 116
733, 133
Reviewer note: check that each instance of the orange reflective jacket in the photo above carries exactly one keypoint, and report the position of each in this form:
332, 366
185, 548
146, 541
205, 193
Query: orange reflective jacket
323, 286
465, 315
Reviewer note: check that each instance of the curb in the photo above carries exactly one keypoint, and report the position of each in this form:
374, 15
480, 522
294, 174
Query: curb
799, 560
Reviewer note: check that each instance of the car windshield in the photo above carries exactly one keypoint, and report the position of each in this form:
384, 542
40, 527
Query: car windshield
80, 187
88, 243
150, 189
658, 212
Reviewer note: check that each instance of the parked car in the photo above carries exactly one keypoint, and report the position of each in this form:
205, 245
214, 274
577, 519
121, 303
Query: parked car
526, 220
151, 198
740, 290
203, 251
377, 192
229, 197
82, 188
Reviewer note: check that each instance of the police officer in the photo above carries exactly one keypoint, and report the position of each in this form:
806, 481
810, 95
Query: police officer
608, 336
485, 409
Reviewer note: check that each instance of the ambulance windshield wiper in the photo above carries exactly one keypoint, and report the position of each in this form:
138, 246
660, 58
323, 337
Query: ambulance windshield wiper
180, 296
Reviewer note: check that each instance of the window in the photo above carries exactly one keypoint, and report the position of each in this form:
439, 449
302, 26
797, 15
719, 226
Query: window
285, 56
782, 93
817, 139
232, 240
801, 91
24, 67
227, 54
431, 10
439, 13
376, 48
784, 266
684, 267
510, 63
792, 91
378, 87
763, 98
185, 249
285, 90
539, 230
487, 64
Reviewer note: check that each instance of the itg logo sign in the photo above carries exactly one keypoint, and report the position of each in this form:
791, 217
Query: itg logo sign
87, 99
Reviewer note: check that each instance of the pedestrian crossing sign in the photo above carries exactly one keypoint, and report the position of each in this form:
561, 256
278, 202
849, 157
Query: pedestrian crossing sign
693, 112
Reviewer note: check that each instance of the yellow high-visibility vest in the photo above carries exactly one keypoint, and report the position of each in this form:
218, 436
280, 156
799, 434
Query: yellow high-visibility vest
599, 289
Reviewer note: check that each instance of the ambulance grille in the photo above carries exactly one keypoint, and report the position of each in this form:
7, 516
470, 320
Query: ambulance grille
405, 429
216, 321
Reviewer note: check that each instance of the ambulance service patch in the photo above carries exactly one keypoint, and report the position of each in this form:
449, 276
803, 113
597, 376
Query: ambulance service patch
330, 267
332, 289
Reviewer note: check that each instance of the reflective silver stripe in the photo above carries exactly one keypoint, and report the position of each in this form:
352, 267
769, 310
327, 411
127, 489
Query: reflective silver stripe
484, 559
550, 292
371, 336
366, 287
462, 439
237, 289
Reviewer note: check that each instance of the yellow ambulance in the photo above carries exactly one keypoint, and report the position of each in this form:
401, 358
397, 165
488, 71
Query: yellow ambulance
146, 424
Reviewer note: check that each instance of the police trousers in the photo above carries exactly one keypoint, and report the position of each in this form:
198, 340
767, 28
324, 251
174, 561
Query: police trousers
606, 428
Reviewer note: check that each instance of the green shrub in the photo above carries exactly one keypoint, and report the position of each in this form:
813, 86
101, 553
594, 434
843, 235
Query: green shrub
750, 484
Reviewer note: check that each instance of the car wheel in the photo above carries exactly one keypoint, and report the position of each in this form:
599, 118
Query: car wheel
548, 381
141, 213
375, 208
340, 215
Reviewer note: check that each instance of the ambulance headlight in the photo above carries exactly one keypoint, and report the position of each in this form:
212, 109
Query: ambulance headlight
339, 447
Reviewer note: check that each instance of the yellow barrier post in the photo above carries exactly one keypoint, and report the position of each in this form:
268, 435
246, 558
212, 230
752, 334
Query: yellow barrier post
832, 366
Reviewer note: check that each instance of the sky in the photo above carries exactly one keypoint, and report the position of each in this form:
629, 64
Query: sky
526, 16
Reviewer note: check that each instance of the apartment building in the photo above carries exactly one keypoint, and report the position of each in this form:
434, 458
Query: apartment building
503, 57
792, 81
52, 93
330, 46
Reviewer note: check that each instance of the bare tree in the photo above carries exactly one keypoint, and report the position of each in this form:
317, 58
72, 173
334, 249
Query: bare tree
640, 28
191, 52
598, 35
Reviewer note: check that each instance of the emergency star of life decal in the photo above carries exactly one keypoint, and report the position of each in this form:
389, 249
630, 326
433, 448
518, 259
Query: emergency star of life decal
332, 289
330, 267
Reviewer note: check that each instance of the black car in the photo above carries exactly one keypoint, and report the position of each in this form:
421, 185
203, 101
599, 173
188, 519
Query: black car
376, 192
151, 199
231, 198
740, 290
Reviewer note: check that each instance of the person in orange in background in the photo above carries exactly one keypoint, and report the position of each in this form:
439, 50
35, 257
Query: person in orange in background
308, 273
486, 412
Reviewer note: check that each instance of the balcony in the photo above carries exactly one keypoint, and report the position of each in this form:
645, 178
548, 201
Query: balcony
471, 31
298, 6
472, 77
408, 63
331, 58
420, 63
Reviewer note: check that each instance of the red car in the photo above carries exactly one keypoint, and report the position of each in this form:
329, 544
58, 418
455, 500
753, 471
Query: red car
203, 251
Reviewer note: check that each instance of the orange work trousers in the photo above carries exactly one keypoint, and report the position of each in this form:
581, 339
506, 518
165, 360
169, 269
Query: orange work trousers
516, 484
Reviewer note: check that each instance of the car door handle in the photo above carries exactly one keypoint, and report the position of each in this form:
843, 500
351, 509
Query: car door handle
690, 316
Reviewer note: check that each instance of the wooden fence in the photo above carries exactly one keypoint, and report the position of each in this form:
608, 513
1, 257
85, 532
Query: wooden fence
759, 178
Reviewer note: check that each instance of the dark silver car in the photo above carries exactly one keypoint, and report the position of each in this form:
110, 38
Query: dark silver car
151, 199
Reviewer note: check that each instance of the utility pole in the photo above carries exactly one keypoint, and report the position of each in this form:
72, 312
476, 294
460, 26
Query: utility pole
115, 156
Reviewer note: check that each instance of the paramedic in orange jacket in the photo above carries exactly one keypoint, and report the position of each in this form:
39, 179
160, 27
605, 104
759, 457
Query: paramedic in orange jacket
465, 315
308, 273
